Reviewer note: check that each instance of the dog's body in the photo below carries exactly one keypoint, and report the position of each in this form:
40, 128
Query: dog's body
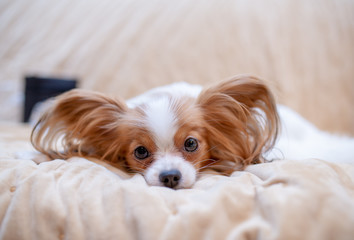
168, 134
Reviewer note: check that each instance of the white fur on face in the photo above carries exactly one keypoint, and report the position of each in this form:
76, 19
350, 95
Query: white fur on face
170, 162
161, 121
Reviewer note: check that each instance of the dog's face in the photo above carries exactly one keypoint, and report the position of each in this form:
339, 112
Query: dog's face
168, 139
168, 142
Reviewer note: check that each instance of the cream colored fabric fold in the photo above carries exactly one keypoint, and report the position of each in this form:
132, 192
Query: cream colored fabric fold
79, 199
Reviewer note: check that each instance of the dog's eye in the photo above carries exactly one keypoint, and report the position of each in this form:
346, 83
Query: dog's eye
141, 153
191, 144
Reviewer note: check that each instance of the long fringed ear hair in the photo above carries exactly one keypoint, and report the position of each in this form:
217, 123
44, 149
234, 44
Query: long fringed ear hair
242, 121
81, 123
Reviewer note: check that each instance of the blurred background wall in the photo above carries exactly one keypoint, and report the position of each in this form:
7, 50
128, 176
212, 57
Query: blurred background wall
303, 48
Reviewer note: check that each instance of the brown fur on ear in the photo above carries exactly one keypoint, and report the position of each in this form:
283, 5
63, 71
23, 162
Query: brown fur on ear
81, 123
242, 121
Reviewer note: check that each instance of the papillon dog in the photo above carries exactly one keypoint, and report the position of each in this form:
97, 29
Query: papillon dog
167, 136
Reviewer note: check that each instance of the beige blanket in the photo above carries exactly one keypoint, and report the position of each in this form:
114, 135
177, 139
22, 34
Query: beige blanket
80, 199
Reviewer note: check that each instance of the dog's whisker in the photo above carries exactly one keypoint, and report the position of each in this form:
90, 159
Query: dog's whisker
205, 160
206, 166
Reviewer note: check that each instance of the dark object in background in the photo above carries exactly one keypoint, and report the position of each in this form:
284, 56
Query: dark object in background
38, 89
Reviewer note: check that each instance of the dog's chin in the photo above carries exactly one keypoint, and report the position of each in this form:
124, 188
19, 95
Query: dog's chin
187, 173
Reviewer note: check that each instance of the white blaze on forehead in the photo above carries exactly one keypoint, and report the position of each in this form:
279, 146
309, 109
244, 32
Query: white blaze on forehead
161, 120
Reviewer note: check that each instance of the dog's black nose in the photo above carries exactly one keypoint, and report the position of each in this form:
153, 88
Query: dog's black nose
170, 178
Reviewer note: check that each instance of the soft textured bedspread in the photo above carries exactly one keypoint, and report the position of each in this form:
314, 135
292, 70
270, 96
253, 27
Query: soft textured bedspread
80, 199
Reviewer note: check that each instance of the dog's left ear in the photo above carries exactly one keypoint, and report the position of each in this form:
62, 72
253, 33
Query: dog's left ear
241, 120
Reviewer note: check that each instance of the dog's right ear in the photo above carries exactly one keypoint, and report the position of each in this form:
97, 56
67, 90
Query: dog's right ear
81, 123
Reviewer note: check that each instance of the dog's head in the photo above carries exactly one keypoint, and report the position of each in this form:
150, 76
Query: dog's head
168, 139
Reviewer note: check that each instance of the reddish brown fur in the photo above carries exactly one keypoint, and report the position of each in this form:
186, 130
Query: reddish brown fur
238, 133
224, 119
90, 124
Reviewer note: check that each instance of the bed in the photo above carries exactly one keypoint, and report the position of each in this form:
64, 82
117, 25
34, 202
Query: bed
305, 52
86, 199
